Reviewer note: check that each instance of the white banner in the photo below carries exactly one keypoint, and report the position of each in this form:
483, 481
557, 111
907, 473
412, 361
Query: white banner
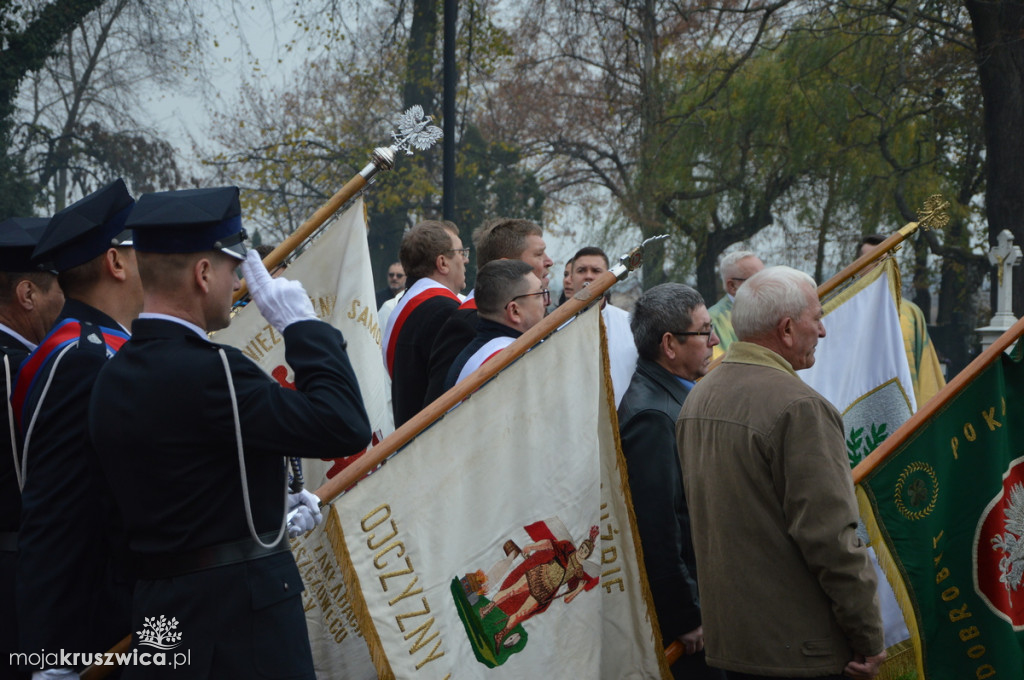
499, 543
335, 271
861, 367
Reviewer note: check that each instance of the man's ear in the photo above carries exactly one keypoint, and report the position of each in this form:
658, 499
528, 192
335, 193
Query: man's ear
202, 270
25, 293
667, 345
441, 264
784, 331
512, 314
114, 264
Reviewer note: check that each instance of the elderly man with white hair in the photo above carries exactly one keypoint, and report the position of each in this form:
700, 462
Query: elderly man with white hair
735, 268
786, 586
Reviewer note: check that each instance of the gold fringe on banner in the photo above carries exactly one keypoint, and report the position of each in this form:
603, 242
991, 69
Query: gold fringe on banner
620, 466
906, 657
336, 535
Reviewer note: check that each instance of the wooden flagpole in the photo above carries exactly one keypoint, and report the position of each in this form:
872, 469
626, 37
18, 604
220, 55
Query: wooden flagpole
337, 485
932, 215
383, 158
938, 402
414, 130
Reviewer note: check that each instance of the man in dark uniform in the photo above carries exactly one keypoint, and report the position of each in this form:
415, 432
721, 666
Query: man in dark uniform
674, 338
30, 300
435, 267
510, 301
192, 436
73, 595
498, 239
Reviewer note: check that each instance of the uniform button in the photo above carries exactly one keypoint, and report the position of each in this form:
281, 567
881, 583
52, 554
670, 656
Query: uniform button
286, 585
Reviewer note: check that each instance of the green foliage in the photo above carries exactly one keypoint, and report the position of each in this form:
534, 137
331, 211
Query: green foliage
858, 446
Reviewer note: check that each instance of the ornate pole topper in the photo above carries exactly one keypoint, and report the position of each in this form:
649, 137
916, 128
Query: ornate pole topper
932, 215
634, 259
414, 132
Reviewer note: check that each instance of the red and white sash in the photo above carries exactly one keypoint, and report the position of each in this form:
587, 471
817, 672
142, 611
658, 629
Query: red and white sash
470, 301
420, 292
482, 355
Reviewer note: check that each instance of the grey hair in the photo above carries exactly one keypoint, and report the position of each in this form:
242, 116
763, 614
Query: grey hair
729, 260
667, 308
768, 297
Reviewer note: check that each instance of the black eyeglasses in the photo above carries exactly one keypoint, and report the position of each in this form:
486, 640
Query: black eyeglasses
546, 293
393, 275
464, 251
709, 332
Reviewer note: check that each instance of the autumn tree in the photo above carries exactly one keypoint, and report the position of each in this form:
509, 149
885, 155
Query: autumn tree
28, 36
292, 148
79, 115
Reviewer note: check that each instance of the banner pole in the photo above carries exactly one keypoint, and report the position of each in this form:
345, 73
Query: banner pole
936, 403
383, 159
337, 485
414, 131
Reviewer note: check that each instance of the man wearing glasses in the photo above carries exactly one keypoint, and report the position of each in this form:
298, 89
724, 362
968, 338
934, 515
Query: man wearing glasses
434, 261
735, 268
674, 339
510, 300
396, 284
501, 238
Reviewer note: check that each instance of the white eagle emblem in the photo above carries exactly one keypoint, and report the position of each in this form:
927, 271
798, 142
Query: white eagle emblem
1012, 542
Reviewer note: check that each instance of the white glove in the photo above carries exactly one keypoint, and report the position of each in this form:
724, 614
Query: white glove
303, 512
301, 520
280, 301
55, 674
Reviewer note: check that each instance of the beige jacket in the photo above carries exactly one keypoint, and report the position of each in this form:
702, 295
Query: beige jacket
786, 587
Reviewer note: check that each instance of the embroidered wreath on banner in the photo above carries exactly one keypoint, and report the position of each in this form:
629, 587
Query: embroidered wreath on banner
916, 491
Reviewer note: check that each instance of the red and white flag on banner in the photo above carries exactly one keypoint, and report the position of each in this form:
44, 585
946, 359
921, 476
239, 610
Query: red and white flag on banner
335, 271
500, 542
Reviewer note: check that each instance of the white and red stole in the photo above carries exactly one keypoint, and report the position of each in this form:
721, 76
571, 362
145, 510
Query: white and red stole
420, 292
481, 356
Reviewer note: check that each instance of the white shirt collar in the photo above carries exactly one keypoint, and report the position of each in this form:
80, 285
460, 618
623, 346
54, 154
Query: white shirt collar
167, 317
17, 336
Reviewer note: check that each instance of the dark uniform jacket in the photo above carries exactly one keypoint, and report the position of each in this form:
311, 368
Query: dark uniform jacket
412, 355
161, 417
457, 332
10, 512
647, 428
73, 590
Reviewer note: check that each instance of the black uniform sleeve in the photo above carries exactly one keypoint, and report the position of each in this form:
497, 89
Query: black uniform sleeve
323, 417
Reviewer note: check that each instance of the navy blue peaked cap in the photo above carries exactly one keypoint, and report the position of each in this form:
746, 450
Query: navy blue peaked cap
189, 221
18, 238
86, 228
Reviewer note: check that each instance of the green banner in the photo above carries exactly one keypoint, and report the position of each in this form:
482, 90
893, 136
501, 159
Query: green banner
949, 506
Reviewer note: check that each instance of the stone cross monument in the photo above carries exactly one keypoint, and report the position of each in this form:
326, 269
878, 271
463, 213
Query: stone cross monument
1005, 256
